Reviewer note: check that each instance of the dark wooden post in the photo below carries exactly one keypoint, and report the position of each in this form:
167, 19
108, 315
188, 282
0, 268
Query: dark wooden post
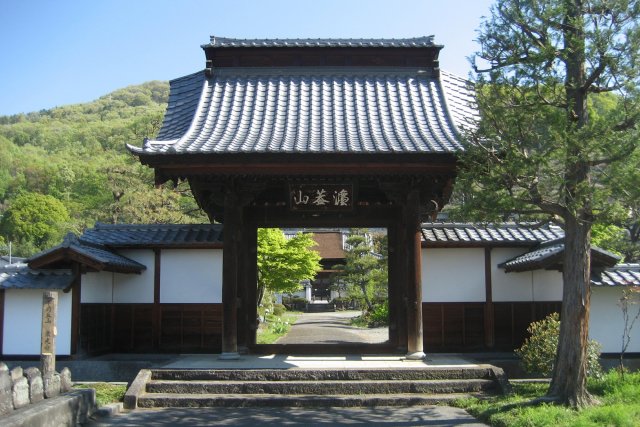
397, 318
76, 297
489, 323
1, 321
230, 255
157, 314
411, 229
247, 325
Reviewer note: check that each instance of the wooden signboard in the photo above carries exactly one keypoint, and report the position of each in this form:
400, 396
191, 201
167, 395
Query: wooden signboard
48, 339
321, 197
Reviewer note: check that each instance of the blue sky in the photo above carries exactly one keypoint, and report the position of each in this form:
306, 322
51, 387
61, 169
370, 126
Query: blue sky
57, 52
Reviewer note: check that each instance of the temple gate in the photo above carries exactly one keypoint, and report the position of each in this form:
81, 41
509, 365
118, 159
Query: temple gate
315, 133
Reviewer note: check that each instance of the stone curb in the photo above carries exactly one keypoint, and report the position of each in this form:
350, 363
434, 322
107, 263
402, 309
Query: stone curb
137, 388
108, 410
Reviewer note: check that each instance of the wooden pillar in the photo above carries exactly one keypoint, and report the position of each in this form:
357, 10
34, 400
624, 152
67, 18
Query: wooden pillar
156, 312
489, 323
76, 297
1, 321
230, 257
411, 229
247, 325
397, 318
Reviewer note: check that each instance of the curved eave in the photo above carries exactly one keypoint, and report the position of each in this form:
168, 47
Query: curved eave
65, 256
172, 166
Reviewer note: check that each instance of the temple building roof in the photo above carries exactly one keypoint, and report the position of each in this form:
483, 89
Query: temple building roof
321, 109
425, 41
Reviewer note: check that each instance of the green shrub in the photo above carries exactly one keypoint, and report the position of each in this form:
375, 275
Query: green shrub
538, 352
294, 303
278, 309
106, 392
279, 326
379, 316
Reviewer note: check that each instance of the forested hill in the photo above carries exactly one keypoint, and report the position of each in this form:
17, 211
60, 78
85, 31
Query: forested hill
66, 168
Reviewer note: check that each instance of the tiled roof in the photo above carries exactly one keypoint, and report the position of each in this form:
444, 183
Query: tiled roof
536, 259
549, 255
183, 101
619, 275
508, 234
329, 245
4, 260
225, 42
20, 276
148, 235
362, 110
73, 247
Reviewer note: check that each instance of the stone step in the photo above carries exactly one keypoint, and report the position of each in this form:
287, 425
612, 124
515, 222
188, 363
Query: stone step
311, 387
320, 308
320, 387
378, 374
164, 400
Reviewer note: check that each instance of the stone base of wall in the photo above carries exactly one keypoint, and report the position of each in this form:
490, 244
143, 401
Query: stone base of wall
69, 409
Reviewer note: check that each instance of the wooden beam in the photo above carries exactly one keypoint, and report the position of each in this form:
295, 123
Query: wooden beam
412, 230
156, 322
2, 321
489, 322
230, 256
76, 297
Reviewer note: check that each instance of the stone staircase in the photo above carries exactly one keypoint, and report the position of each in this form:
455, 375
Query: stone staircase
311, 387
320, 307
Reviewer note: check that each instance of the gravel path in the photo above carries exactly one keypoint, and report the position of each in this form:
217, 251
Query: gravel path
332, 328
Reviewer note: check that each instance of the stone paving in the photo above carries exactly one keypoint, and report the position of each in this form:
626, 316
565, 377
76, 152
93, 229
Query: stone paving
380, 416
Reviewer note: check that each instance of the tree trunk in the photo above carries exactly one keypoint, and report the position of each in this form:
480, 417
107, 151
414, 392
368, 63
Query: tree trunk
569, 381
363, 287
260, 294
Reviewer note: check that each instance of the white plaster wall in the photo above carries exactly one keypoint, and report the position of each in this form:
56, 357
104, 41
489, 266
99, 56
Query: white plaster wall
135, 288
509, 286
547, 285
191, 276
538, 285
605, 322
453, 275
97, 287
23, 322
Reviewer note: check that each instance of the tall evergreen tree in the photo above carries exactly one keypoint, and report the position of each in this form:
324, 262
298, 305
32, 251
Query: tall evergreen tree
540, 150
363, 271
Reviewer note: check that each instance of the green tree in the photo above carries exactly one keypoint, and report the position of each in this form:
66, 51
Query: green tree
76, 153
364, 272
284, 263
35, 221
540, 149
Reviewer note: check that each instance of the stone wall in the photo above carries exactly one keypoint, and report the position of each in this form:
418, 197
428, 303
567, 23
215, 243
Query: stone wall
22, 387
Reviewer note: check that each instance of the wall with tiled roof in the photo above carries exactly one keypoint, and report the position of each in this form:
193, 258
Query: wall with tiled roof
507, 234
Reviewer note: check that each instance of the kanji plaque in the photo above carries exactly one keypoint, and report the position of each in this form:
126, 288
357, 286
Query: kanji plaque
321, 197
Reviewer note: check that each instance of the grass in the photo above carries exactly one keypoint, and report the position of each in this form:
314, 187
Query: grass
619, 405
106, 392
275, 327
